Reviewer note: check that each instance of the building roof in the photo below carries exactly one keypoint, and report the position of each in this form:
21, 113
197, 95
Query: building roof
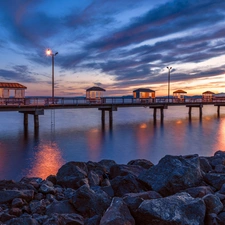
143, 90
180, 91
95, 89
222, 94
11, 85
208, 92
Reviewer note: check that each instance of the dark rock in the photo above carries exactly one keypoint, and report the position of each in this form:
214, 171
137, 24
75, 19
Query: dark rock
118, 213
205, 165
93, 178
146, 164
52, 178
9, 195
96, 168
60, 207
39, 196
219, 168
199, 192
221, 218
215, 180
32, 181
17, 202
89, 203
45, 189
15, 211
126, 184
173, 174
38, 206
123, 170
6, 216
72, 218
213, 204
211, 219
109, 190
72, 175
177, 209
12, 185
22, 221
107, 164
95, 220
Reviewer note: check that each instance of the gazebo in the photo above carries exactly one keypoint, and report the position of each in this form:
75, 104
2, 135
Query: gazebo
14, 90
207, 96
178, 96
143, 93
94, 93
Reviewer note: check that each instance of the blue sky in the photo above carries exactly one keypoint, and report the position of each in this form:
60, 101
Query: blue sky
119, 45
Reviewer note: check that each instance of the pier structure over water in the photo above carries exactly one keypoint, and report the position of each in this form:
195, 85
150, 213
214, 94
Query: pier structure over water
36, 106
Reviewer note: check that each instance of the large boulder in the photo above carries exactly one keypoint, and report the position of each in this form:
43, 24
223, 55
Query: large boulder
146, 164
126, 184
89, 203
216, 180
199, 192
118, 213
173, 174
60, 207
72, 175
177, 209
213, 204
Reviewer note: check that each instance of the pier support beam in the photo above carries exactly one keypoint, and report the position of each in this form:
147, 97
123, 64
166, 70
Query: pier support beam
35, 113
110, 110
161, 107
190, 106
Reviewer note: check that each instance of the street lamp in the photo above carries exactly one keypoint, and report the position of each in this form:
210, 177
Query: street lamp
49, 52
169, 69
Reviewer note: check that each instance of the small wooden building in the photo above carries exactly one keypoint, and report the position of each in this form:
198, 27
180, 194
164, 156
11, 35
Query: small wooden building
15, 90
143, 93
94, 93
219, 96
179, 95
207, 96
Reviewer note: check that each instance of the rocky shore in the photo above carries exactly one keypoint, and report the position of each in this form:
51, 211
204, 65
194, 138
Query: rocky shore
178, 190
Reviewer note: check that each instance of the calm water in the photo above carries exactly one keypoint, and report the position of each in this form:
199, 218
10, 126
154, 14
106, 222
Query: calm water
77, 135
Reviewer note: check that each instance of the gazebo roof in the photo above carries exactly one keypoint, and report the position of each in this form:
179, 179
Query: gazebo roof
11, 85
143, 90
208, 92
95, 89
180, 91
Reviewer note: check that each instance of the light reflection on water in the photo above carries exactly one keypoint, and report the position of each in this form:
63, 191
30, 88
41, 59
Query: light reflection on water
79, 136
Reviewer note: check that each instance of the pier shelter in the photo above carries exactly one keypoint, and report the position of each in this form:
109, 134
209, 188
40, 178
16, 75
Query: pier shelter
94, 93
144, 94
207, 96
179, 96
219, 96
15, 90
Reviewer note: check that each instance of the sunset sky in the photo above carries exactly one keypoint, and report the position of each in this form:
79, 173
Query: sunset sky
119, 45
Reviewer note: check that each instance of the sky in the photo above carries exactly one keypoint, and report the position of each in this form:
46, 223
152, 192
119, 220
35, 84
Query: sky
119, 45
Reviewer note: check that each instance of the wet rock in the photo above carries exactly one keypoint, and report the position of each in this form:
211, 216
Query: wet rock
118, 213
180, 208
146, 164
60, 207
89, 203
173, 174
124, 170
9, 195
72, 175
125, 184
213, 204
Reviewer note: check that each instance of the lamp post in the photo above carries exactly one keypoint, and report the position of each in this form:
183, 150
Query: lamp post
169, 69
49, 52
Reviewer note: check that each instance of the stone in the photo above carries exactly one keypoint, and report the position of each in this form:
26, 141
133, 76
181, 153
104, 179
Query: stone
118, 213
125, 184
72, 175
199, 192
93, 178
213, 204
22, 221
45, 189
107, 164
173, 174
60, 207
95, 220
205, 165
146, 164
17, 202
176, 209
215, 180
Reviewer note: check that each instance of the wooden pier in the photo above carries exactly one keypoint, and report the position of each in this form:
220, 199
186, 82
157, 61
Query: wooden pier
37, 106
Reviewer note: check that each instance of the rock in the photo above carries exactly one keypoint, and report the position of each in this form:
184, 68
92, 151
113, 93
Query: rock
126, 184
107, 164
89, 203
146, 164
97, 168
213, 204
32, 181
12, 185
72, 218
15, 211
72, 175
52, 178
9, 195
60, 207
93, 178
211, 219
199, 192
180, 208
205, 165
6, 217
17, 202
215, 180
45, 189
123, 170
95, 220
38, 206
118, 213
173, 174
22, 221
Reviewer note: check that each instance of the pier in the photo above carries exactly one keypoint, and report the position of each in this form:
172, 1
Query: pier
37, 106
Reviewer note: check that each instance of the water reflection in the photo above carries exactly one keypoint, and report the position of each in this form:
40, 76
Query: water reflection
47, 160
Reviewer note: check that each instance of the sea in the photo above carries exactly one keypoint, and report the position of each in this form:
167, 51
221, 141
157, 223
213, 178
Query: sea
66, 135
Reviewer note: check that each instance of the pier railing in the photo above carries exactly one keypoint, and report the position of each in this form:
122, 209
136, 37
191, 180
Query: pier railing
44, 101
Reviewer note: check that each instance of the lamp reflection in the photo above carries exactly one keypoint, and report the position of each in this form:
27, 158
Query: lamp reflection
47, 161
220, 143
